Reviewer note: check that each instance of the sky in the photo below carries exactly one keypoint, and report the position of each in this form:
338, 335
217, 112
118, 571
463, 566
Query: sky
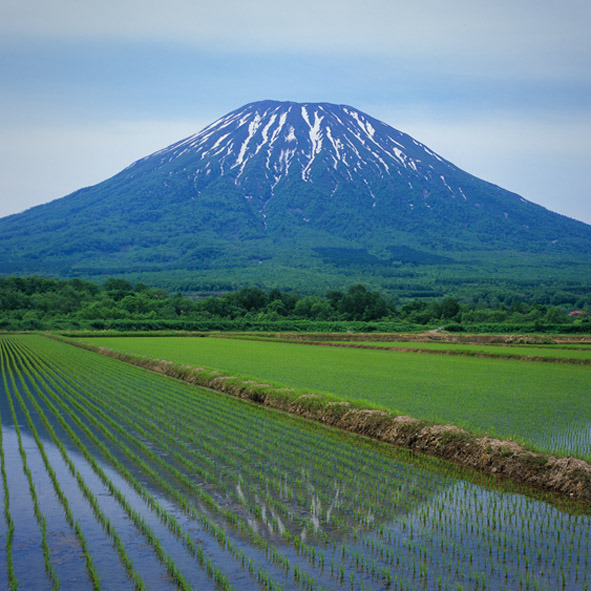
502, 89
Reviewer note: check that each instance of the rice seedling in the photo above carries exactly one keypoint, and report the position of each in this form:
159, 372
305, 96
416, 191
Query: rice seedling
61, 496
11, 576
292, 504
49, 570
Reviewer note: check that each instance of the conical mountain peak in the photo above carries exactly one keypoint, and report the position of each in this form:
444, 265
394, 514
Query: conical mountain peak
300, 139
274, 192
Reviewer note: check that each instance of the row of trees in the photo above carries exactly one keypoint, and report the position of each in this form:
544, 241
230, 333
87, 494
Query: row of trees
31, 303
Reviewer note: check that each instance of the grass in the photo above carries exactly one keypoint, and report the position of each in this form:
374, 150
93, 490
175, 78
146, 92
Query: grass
545, 405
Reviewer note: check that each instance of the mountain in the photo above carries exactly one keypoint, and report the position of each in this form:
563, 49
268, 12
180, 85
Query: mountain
299, 195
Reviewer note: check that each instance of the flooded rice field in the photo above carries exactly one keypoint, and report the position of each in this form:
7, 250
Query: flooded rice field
115, 478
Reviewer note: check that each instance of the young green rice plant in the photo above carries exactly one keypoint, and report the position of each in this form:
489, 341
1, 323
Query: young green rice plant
171, 567
425, 528
55, 583
171, 522
167, 487
310, 554
269, 500
62, 498
471, 392
12, 579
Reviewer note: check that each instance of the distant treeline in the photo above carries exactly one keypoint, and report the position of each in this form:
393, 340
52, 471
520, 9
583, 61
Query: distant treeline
37, 303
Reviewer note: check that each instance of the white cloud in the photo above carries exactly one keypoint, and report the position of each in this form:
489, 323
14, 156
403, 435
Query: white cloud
525, 38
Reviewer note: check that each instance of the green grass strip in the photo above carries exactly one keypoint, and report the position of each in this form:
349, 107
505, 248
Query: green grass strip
473, 393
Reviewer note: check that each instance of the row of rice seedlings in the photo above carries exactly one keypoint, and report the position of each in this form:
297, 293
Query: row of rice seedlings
180, 499
142, 418
455, 539
254, 435
11, 575
216, 447
275, 553
261, 574
224, 409
49, 571
90, 497
148, 414
423, 557
365, 385
136, 518
171, 522
573, 437
124, 432
90, 568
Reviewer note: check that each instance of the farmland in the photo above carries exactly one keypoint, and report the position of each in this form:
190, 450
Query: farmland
546, 405
117, 478
550, 352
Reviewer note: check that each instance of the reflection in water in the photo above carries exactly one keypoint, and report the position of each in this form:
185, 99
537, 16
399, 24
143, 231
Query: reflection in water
277, 502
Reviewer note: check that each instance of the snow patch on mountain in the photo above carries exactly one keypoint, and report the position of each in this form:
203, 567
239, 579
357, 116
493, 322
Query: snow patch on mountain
266, 145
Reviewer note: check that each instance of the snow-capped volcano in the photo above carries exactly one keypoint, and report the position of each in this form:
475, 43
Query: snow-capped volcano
293, 136
292, 190
263, 144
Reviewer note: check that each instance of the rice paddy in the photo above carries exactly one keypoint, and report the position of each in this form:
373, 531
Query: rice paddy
545, 405
580, 352
116, 478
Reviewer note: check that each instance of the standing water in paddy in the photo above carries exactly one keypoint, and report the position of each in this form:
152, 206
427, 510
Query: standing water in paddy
221, 493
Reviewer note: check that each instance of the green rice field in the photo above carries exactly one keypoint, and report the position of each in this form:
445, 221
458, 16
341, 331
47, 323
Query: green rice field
576, 353
546, 405
117, 478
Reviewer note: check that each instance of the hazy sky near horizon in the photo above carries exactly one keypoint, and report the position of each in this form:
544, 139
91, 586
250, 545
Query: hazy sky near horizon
502, 89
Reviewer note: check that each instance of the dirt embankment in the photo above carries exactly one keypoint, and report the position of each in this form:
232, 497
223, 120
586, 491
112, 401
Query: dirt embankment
569, 477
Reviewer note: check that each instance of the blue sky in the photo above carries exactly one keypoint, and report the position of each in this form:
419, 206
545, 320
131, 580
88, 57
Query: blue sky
502, 89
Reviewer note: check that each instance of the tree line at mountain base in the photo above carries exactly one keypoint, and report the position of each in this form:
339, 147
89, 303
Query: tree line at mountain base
39, 303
